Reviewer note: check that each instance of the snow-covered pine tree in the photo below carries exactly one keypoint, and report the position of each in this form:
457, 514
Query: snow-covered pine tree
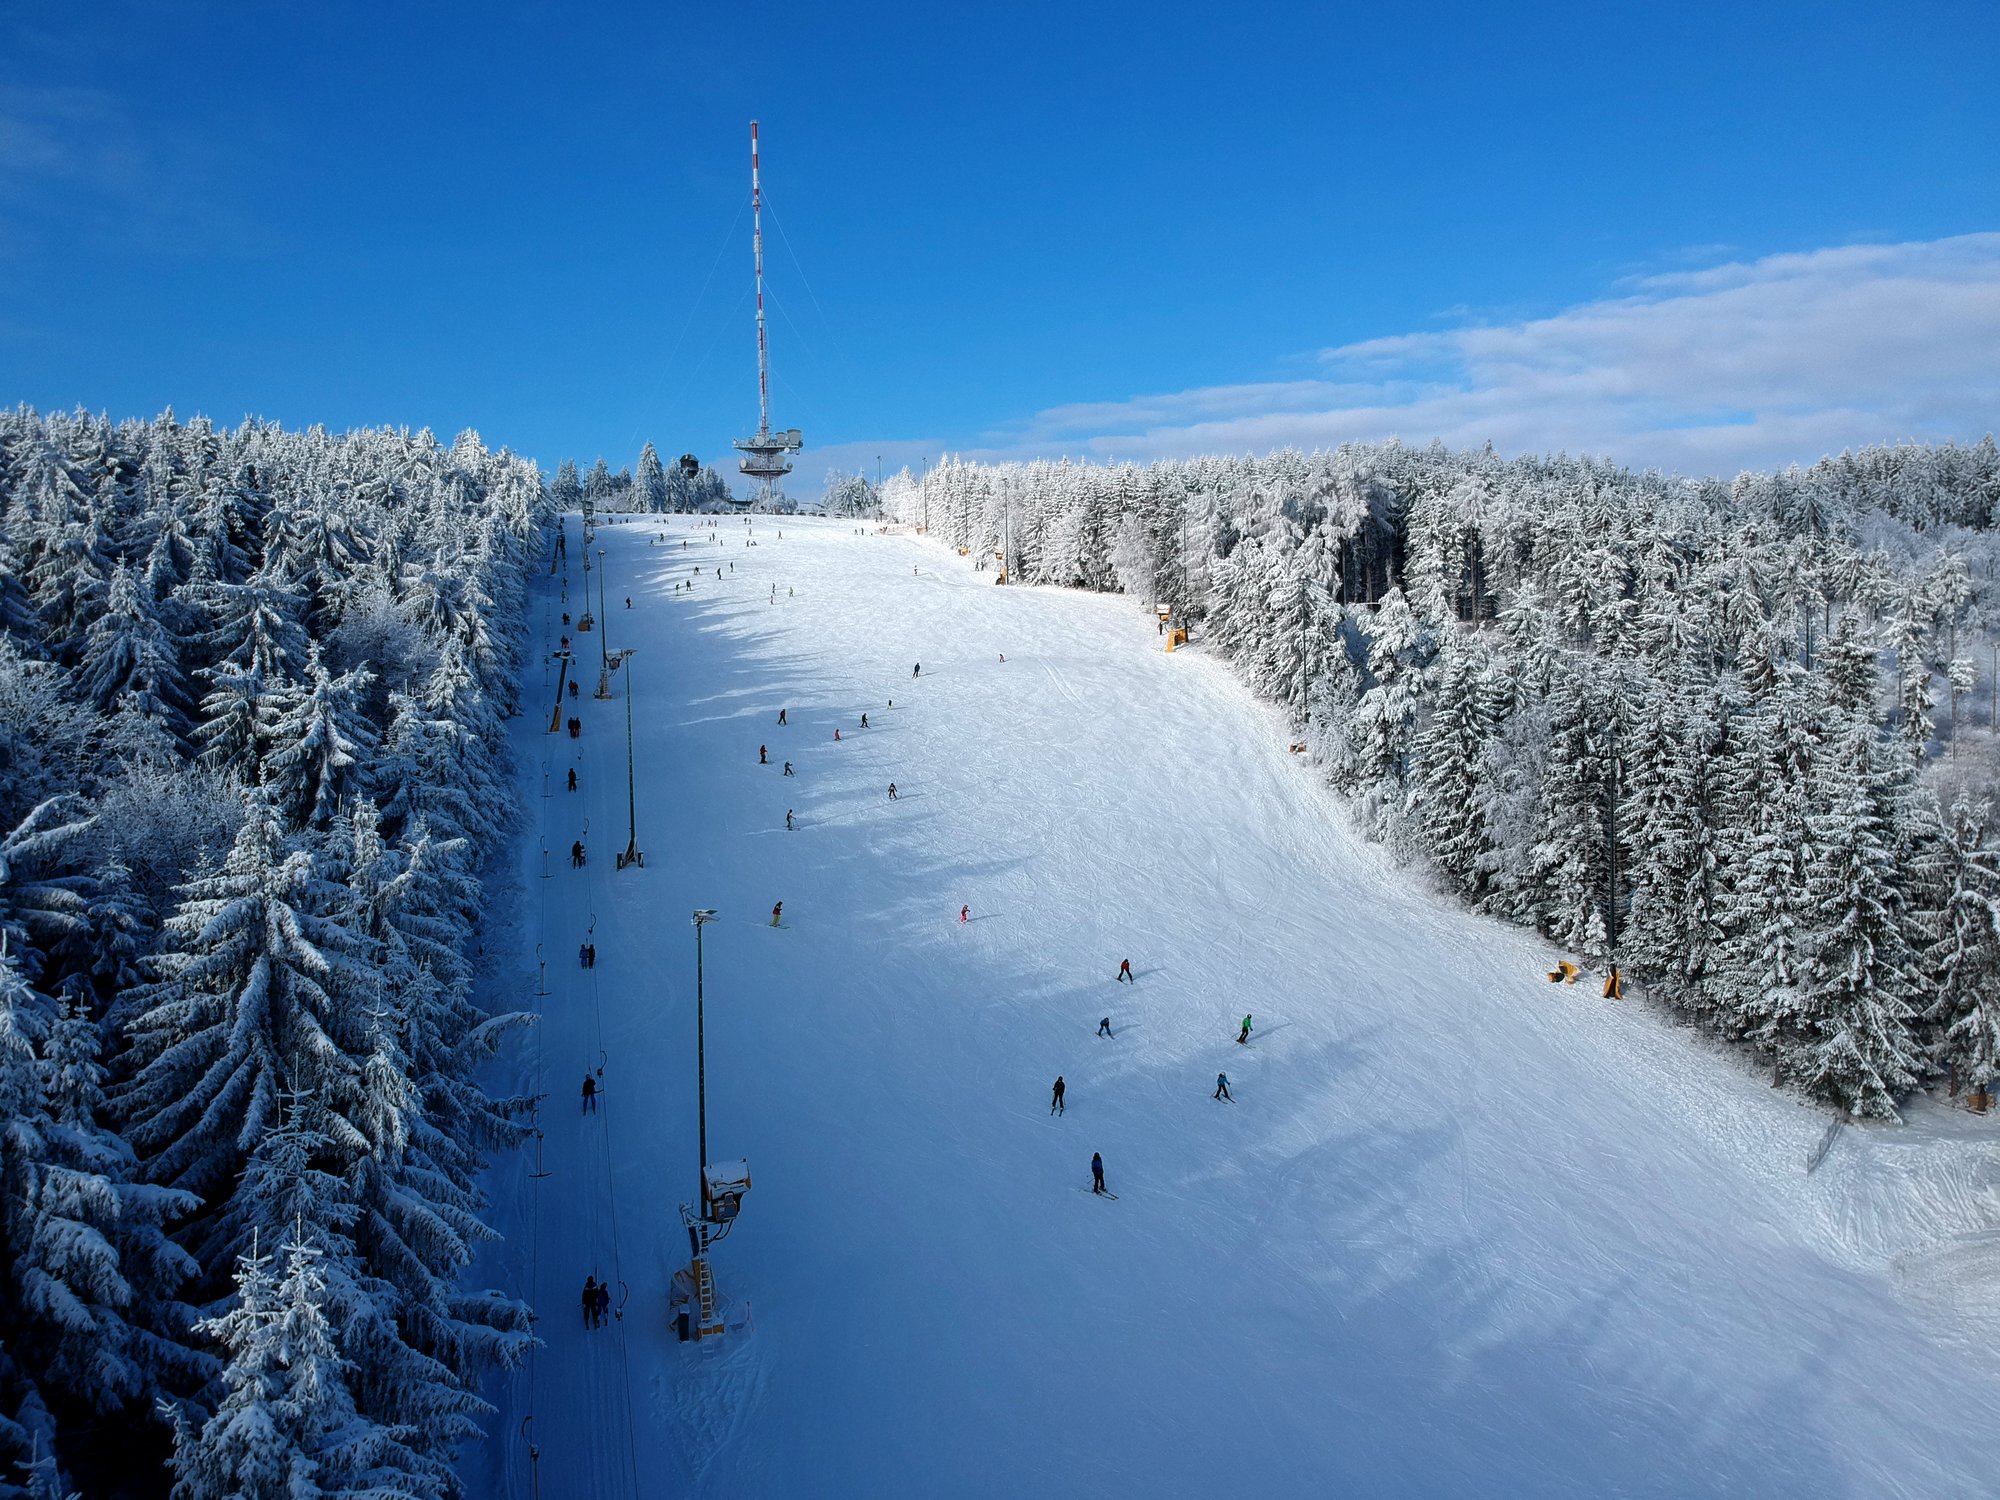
1446, 796
247, 992
322, 745
1568, 874
1848, 1039
1398, 652
94, 1279
1961, 966
287, 1427
649, 484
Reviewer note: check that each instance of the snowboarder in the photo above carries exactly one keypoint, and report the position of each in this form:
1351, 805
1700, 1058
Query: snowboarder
1056, 1099
777, 911
892, 791
576, 855
788, 768
1104, 1027
590, 1302
762, 758
1096, 1172
788, 813
781, 716
965, 914
572, 778
589, 1094
864, 721
1222, 1088
1244, 1035
1125, 971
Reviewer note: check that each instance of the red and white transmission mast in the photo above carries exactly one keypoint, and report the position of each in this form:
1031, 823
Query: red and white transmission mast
765, 454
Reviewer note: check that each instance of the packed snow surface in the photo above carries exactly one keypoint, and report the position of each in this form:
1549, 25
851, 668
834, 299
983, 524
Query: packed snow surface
1461, 1232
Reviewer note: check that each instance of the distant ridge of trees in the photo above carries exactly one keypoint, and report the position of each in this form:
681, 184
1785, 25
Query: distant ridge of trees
1736, 736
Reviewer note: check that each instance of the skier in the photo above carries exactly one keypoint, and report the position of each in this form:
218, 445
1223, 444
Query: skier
965, 914
892, 791
1056, 1099
836, 736
788, 768
590, 961
781, 716
576, 855
1003, 656
575, 728
762, 759
864, 721
572, 778
1096, 1172
788, 814
917, 670
572, 690
1244, 1036
1125, 971
590, 1302
603, 1301
628, 601
1222, 1088
1104, 1027
589, 1094
777, 910
565, 621
583, 955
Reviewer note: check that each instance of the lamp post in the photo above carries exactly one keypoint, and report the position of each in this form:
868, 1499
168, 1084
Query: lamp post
632, 856
603, 631
702, 918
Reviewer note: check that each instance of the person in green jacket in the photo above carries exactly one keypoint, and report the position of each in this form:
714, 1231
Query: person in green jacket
1244, 1035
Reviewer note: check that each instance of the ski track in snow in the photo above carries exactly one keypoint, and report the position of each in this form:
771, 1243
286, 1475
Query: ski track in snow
1463, 1232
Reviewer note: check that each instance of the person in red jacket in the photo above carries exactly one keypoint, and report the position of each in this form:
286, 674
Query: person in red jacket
1125, 971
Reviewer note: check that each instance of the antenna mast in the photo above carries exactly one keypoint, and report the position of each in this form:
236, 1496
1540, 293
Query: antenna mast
765, 460
757, 242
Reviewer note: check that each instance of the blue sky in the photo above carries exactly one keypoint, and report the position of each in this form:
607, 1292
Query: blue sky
1701, 235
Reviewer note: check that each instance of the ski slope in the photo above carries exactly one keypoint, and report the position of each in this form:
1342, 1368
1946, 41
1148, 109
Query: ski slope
1461, 1232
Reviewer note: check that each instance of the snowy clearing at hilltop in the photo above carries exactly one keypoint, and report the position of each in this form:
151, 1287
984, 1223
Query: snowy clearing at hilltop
1462, 1231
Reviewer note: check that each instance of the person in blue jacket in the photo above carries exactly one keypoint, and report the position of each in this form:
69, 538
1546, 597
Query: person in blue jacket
1096, 1172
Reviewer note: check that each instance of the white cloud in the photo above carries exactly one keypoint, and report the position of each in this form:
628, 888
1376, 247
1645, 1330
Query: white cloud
1743, 364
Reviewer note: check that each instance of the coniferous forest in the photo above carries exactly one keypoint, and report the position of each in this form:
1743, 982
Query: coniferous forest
1735, 738
252, 685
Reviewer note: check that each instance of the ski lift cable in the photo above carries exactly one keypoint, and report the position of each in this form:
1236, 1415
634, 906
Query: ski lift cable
694, 307
610, 1180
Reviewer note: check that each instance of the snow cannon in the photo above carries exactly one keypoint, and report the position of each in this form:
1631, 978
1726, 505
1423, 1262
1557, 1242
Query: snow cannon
1564, 973
723, 1185
1176, 634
